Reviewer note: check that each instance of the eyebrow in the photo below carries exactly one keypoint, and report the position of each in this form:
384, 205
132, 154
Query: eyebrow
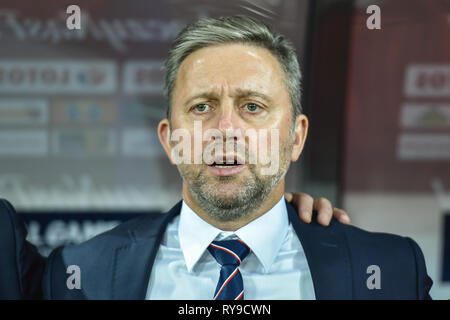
238, 93
207, 95
242, 93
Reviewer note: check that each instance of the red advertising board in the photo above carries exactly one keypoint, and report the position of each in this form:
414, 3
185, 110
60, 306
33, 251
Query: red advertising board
397, 117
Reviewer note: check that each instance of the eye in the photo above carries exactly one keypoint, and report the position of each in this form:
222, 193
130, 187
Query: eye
202, 108
252, 107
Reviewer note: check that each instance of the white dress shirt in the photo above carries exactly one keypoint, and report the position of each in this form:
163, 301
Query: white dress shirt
276, 267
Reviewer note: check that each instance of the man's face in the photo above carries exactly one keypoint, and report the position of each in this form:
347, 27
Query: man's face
238, 89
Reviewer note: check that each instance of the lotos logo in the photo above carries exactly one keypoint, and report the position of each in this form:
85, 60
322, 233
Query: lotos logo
93, 76
37, 76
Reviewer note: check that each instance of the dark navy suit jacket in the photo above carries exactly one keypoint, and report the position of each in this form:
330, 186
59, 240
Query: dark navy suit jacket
21, 266
117, 264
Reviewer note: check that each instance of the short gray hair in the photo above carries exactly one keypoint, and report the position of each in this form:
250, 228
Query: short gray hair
208, 32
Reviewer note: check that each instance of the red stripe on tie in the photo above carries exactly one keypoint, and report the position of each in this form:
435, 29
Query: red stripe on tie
240, 295
244, 244
226, 250
225, 283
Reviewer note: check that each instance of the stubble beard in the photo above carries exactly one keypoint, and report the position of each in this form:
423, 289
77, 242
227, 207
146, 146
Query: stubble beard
232, 206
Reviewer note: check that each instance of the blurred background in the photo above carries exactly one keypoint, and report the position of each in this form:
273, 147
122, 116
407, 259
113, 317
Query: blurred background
79, 108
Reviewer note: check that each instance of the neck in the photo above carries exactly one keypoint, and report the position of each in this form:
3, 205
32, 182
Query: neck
271, 200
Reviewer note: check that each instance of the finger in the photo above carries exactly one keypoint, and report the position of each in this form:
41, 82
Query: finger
304, 203
341, 216
324, 211
288, 196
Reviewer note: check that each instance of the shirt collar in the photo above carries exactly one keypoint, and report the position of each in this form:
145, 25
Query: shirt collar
195, 235
263, 235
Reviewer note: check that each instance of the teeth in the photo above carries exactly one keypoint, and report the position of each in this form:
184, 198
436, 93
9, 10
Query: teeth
222, 166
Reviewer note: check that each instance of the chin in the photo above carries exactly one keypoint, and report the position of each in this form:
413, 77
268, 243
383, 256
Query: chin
226, 194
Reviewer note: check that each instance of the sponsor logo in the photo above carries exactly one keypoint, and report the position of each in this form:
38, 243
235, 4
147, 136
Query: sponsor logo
92, 142
28, 76
140, 142
23, 143
428, 80
142, 111
425, 115
423, 146
84, 111
23, 111
143, 77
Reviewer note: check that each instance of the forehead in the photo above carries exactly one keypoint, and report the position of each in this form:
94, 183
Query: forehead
230, 67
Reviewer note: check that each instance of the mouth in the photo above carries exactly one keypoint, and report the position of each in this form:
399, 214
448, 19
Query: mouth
226, 166
227, 160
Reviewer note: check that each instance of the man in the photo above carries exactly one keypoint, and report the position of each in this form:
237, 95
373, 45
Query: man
233, 82
22, 267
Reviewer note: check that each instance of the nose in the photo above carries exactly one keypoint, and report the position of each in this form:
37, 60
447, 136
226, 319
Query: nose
228, 117
230, 124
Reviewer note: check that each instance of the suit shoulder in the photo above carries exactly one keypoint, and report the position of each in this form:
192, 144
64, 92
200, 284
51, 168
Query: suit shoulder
97, 250
12, 229
6, 217
353, 231
121, 235
367, 248
5, 206
398, 258
377, 242
7, 213
137, 226
96, 256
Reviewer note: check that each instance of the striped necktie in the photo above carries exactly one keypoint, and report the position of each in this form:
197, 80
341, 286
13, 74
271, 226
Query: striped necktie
229, 254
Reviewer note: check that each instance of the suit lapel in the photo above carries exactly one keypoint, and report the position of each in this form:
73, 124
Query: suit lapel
133, 262
327, 255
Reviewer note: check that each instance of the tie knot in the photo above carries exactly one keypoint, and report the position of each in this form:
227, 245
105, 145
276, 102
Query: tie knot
229, 252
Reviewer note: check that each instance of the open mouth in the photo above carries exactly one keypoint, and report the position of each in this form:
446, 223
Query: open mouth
226, 166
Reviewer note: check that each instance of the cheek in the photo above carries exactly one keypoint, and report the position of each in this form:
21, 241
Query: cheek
279, 132
190, 171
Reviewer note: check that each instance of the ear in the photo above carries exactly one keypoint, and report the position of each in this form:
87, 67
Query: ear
164, 137
300, 133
